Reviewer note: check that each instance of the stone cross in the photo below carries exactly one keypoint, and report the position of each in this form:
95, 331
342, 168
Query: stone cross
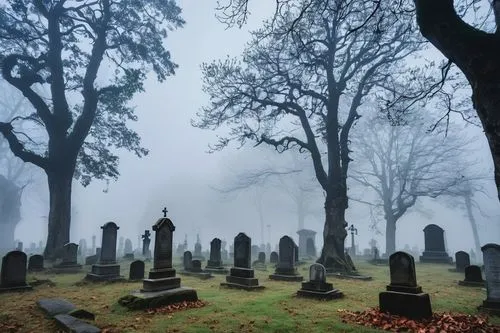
165, 211
146, 240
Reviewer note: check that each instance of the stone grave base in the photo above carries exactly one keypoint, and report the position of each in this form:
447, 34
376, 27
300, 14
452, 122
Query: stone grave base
454, 270
282, 277
434, 257
413, 306
109, 278
471, 284
216, 270
327, 295
490, 307
4, 289
260, 267
350, 276
153, 299
66, 269
241, 286
202, 275
72, 324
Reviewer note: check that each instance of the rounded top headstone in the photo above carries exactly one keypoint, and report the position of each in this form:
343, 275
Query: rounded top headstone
433, 227
109, 225
164, 221
490, 246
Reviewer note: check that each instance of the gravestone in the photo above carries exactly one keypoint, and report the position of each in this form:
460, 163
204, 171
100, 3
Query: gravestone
241, 276
106, 268
214, 264
274, 258
286, 269
35, 263
197, 249
196, 266
306, 243
435, 251
255, 249
188, 261
146, 241
13, 273
161, 287
473, 277
69, 262
462, 260
403, 296
317, 287
136, 270
491, 260
260, 263
128, 250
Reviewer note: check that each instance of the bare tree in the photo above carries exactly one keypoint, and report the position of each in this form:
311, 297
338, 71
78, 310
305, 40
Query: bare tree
295, 78
401, 164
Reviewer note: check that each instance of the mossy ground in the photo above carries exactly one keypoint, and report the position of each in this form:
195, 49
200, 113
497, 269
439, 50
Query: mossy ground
275, 309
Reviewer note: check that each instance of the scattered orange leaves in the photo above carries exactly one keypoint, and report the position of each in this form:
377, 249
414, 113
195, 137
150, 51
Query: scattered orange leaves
177, 307
9, 325
439, 323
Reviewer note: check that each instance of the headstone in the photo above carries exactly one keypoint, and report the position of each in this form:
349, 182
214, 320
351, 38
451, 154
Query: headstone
146, 241
13, 273
106, 268
35, 263
403, 296
136, 270
241, 275
161, 287
197, 249
255, 251
491, 260
307, 248
69, 262
214, 265
286, 269
274, 258
473, 277
188, 261
462, 260
262, 257
435, 251
317, 287
128, 250
196, 266
260, 263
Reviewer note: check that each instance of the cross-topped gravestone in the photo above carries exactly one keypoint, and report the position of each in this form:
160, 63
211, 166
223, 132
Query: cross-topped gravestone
13, 273
165, 211
163, 244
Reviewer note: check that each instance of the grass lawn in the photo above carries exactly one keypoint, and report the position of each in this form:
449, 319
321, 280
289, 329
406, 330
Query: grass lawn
275, 309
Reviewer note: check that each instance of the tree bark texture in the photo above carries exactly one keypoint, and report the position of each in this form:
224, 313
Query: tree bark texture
390, 235
477, 54
473, 225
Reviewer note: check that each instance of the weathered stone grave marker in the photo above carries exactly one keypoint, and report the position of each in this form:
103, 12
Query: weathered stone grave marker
473, 277
286, 269
214, 264
69, 262
106, 268
35, 263
136, 270
317, 287
462, 260
13, 274
491, 259
435, 251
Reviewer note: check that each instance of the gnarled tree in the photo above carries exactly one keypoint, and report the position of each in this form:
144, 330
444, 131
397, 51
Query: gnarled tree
92, 56
296, 77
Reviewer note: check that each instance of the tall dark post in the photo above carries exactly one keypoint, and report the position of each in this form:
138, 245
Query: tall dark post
353, 231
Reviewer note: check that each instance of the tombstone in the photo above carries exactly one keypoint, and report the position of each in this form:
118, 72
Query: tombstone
241, 276
262, 257
106, 268
274, 258
136, 270
306, 243
286, 269
255, 251
35, 263
435, 251
473, 277
462, 260
196, 266
146, 241
69, 262
260, 263
197, 249
187, 261
317, 287
161, 287
491, 260
214, 264
403, 296
13, 273
128, 250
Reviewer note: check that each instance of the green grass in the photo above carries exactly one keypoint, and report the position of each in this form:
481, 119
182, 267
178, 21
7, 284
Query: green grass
275, 309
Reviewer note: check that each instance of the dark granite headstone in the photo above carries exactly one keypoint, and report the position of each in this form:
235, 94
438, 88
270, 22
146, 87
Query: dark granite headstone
188, 261
435, 251
106, 268
317, 287
262, 257
69, 262
13, 273
136, 270
215, 253
241, 275
491, 260
403, 296
35, 263
274, 258
286, 269
196, 266
473, 277
462, 260
306, 243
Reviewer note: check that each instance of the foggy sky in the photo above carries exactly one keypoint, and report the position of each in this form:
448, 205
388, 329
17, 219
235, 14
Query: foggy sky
178, 172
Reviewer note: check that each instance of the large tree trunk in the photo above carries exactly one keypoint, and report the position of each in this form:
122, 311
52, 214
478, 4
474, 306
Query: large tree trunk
472, 220
334, 234
10, 212
390, 235
59, 213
